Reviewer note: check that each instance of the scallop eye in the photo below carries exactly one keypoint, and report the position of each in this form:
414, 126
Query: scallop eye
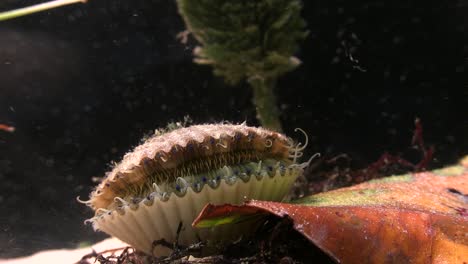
190, 147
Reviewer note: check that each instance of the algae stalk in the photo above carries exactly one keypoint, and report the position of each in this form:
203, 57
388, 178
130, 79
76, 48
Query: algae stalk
36, 8
265, 102
251, 41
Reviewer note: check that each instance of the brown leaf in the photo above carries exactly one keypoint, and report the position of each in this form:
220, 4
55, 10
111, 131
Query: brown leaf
413, 218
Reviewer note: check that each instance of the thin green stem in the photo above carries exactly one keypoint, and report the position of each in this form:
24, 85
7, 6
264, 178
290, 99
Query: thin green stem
265, 102
36, 8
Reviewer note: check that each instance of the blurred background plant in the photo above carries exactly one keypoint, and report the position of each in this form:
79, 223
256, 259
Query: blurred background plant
248, 40
37, 8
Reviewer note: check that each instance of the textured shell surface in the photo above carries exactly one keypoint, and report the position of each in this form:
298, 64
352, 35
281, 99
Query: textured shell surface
168, 179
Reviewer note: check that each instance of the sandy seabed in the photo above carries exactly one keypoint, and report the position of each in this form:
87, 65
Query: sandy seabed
60, 256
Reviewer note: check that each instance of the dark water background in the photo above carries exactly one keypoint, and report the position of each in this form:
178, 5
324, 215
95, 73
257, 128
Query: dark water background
82, 84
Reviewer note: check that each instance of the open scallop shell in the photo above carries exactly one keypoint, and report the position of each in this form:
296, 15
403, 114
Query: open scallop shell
167, 180
158, 216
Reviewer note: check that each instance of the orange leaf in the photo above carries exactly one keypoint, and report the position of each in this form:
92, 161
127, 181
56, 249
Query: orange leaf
417, 218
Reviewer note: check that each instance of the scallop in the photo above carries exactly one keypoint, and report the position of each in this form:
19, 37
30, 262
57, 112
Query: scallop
166, 181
